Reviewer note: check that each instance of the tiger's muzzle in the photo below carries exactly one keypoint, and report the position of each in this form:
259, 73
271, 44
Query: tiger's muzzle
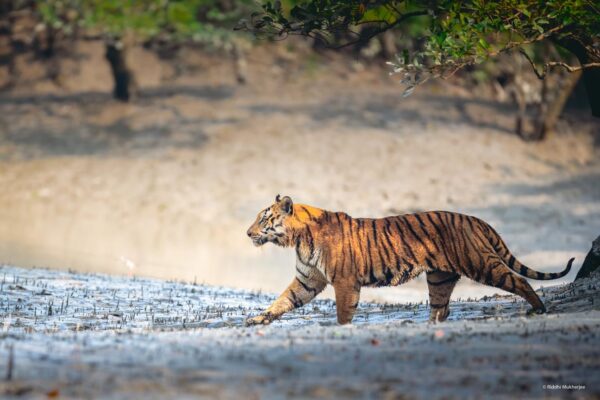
257, 238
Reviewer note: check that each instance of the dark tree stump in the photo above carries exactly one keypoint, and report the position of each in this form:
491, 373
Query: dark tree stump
591, 262
122, 75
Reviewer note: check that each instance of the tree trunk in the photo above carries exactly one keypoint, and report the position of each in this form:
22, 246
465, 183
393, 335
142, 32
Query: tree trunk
240, 64
555, 108
591, 262
47, 47
8, 50
388, 45
124, 84
587, 53
591, 79
519, 99
551, 107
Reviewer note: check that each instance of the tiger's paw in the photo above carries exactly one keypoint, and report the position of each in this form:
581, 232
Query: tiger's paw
261, 319
536, 311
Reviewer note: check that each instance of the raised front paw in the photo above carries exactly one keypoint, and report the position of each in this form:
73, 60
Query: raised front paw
262, 319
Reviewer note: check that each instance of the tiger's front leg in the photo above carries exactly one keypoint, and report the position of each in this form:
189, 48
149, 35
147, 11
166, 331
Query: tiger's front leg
298, 293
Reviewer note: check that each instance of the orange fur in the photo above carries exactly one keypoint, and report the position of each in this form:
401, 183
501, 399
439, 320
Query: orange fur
349, 253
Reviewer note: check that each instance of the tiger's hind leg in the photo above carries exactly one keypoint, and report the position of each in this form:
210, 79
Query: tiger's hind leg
347, 295
496, 273
440, 286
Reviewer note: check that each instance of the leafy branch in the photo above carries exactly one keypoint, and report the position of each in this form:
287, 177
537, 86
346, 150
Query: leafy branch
453, 35
551, 64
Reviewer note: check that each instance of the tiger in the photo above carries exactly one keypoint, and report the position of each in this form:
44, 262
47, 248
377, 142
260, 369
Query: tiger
350, 253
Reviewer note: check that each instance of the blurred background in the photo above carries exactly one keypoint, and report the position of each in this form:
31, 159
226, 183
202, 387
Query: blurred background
142, 138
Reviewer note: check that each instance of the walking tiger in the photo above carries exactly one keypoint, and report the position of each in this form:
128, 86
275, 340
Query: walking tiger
348, 253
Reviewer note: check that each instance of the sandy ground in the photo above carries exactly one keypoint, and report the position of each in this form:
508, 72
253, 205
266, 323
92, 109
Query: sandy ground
167, 186
96, 336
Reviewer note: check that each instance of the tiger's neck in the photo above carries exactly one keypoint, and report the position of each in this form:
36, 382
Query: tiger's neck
310, 234
308, 244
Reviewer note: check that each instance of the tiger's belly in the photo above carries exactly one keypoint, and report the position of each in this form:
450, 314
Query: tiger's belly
379, 277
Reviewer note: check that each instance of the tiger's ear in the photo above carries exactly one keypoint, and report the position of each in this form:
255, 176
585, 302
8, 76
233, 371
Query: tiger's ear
287, 205
277, 198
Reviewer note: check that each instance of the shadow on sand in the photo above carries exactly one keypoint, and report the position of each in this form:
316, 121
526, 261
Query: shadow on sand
392, 111
58, 131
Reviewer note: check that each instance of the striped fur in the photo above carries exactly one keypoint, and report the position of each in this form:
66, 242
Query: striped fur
349, 253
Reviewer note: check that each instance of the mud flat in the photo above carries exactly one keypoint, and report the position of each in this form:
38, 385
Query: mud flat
99, 336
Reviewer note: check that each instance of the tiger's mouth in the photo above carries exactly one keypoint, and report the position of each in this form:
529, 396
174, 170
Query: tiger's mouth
258, 240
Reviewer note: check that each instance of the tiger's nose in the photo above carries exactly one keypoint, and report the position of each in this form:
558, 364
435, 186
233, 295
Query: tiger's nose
249, 233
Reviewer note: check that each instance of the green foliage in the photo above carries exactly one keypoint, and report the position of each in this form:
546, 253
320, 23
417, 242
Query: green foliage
456, 33
168, 20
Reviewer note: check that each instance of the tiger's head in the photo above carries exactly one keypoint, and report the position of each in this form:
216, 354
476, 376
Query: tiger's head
272, 223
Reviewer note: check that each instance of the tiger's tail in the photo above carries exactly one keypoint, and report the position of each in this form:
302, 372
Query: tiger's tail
514, 264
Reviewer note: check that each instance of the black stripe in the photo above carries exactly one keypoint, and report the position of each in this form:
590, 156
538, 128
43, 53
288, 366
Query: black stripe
489, 278
419, 239
374, 228
333, 275
310, 216
475, 251
337, 216
301, 273
511, 262
470, 222
449, 228
295, 301
429, 263
432, 240
298, 241
512, 279
311, 244
407, 271
502, 280
358, 248
443, 282
369, 256
410, 265
388, 242
439, 305
369, 248
381, 261
539, 275
398, 259
523, 270
372, 277
306, 287
341, 266
389, 276
445, 252
360, 223
405, 245
395, 253
350, 247
437, 230
384, 265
